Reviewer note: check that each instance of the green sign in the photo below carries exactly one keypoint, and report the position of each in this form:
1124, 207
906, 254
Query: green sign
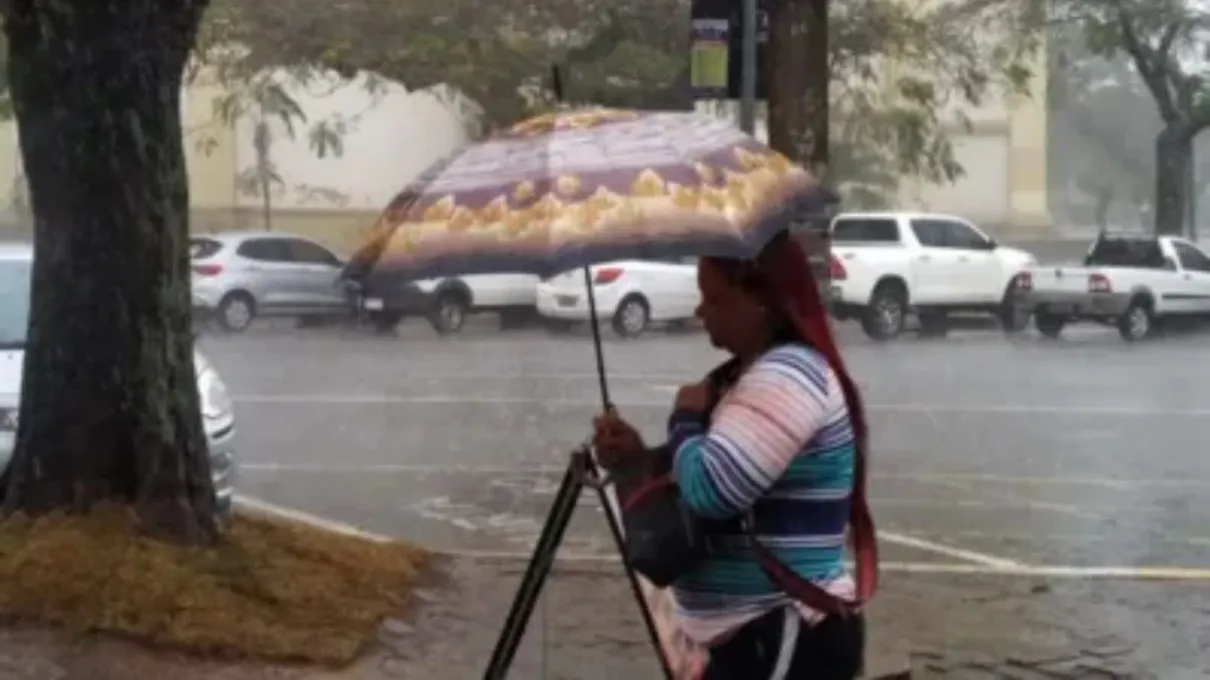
710, 54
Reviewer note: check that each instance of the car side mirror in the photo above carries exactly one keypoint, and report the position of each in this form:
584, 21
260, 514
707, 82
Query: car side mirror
991, 244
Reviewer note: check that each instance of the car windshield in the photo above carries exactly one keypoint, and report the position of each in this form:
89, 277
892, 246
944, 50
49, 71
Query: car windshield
14, 303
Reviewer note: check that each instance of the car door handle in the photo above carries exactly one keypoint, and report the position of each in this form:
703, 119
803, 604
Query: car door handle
1188, 277
924, 258
964, 259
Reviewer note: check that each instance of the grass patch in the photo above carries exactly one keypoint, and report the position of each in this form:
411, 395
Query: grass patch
271, 589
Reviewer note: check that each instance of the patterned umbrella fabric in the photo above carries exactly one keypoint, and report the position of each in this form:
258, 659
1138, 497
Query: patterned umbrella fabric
574, 188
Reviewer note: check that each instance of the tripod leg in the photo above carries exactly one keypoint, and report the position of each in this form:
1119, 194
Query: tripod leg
635, 587
535, 574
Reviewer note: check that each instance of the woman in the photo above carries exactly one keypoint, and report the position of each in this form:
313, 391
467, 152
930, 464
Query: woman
782, 441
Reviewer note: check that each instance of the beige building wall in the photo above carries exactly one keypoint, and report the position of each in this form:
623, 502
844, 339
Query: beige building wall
1003, 154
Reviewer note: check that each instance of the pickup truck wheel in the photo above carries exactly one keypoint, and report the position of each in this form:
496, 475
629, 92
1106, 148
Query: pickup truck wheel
449, 314
1137, 322
883, 319
1049, 325
1014, 316
934, 325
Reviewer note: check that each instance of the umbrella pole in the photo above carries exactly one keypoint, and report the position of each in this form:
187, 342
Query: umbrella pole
596, 341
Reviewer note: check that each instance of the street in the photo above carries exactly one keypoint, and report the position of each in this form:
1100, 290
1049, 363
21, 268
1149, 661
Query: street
1079, 457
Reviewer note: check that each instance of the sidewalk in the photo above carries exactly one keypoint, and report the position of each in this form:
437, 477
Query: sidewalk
588, 628
943, 625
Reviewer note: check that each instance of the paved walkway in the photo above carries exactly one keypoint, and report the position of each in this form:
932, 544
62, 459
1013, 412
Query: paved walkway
588, 628
962, 626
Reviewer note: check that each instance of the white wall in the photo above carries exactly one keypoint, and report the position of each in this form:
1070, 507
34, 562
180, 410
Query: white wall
392, 136
982, 194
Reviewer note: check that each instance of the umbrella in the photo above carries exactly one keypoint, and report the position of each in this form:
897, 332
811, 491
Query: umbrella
578, 187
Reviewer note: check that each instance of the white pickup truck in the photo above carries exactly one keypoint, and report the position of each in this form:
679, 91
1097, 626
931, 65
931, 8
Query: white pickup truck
1128, 281
885, 265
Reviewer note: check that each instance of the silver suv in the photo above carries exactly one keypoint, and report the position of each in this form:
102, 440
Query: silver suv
238, 276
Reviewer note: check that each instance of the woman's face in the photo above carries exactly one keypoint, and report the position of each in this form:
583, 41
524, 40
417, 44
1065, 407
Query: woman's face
733, 317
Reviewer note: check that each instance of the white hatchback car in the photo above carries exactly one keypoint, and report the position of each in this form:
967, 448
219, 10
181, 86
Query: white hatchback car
630, 294
16, 261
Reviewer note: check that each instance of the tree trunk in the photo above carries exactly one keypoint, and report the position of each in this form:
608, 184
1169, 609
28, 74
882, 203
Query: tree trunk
798, 83
110, 406
1173, 151
266, 206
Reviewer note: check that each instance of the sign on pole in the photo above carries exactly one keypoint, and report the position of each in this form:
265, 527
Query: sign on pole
716, 48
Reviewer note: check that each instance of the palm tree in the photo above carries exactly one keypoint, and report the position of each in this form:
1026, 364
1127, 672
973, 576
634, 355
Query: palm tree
266, 99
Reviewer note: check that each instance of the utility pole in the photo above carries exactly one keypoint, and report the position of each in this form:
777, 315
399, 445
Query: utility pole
748, 74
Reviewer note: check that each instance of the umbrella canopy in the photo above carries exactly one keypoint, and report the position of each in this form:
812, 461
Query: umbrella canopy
573, 188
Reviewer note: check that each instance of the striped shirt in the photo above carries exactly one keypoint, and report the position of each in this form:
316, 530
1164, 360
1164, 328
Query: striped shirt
779, 444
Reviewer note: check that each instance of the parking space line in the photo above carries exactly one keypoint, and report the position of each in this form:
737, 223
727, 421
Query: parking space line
1011, 569
972, 556
406, 468
262, 507
970, 409
1108, 482
555, 466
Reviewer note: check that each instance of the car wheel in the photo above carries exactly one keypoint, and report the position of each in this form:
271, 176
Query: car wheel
934, 325
236, 312
631, 317
385, 322
450, 314
1049, 325
1137, 322
883, 319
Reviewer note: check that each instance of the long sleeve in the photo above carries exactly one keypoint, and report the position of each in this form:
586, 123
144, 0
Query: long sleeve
755, 432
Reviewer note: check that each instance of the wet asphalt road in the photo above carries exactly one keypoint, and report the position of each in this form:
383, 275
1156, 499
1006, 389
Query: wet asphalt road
989, 452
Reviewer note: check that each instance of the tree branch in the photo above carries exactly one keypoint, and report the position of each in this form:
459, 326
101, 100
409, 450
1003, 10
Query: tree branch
1164, 50
1149, 65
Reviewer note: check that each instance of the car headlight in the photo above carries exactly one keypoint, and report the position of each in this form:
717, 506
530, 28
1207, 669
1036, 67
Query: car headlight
8, 419
216, 402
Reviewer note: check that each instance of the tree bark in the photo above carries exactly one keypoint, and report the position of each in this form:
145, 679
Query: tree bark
1173, 151
110, 406
798, 83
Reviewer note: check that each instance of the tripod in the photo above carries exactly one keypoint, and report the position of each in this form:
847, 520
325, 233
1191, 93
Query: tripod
581, 472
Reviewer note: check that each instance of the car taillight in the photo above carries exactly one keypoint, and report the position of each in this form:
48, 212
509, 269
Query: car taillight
1099, 283
836, 270
607, 275
1025, 281
207, 269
